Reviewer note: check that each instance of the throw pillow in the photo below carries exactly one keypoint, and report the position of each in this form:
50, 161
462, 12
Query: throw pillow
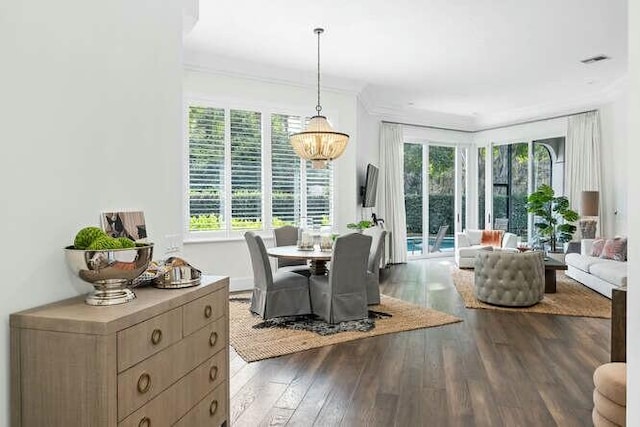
492, 237
615, 249
596, 247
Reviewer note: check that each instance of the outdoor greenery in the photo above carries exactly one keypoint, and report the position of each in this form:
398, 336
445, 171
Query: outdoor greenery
552, 216
207, 172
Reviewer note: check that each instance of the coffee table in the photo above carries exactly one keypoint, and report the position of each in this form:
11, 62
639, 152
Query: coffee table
550, 267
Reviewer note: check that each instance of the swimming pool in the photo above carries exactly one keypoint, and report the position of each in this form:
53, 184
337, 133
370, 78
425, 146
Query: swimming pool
414, 244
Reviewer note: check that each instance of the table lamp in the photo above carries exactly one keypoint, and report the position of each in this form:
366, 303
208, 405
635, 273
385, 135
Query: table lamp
589, 213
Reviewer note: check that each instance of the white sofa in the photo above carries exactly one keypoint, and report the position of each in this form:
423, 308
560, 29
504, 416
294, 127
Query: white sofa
469, 243
601, 275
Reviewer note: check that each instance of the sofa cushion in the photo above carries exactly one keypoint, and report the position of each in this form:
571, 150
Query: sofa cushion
614, 272
615, 249
581, 262
474, 236
472, 251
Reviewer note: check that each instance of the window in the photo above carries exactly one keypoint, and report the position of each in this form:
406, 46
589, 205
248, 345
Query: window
239, 179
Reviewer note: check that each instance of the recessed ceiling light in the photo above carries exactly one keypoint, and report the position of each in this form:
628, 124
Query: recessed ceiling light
593, 59
410, 104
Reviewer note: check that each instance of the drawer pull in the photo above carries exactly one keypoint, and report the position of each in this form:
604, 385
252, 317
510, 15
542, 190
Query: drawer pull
213, 408
144, 383
213, 373
145, 422
156, 336
208, 311
213, 338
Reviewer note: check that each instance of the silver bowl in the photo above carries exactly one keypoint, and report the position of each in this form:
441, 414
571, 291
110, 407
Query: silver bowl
109, 271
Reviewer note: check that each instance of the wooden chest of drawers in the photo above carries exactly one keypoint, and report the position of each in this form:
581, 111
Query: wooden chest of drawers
159, 360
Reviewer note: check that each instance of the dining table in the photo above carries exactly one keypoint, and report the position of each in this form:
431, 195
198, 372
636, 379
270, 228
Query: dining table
318, 258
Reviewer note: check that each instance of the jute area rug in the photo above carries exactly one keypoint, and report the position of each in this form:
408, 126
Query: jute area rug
571, 298
257, 344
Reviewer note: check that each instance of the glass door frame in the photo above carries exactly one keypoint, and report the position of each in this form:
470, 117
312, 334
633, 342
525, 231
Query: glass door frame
460, 150
489, 184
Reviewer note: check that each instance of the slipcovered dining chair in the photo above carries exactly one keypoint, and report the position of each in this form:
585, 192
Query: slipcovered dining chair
373, 266
282, 294
287, 235
342, 295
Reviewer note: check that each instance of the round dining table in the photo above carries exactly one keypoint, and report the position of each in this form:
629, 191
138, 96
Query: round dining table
317, 257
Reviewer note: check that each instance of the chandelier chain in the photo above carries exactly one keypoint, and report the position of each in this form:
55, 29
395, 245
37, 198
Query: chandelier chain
318, 31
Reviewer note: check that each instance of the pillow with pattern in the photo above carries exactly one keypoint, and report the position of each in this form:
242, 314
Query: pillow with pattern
615, 249
596, 247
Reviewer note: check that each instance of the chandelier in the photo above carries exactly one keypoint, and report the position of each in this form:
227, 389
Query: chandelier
319, 142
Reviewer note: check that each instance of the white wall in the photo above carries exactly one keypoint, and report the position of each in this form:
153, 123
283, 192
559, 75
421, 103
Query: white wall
230, 257
633, 206
613, 193
368, 151
90, 121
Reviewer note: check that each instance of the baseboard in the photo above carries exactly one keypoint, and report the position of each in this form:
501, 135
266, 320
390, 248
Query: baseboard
237, 284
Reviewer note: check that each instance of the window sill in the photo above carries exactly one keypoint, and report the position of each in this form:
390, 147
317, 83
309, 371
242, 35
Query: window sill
200, 240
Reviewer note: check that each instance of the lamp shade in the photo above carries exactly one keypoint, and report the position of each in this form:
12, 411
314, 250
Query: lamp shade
589, 203
319, 142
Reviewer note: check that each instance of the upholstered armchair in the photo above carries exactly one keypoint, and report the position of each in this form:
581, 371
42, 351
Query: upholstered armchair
275, 295
470, 242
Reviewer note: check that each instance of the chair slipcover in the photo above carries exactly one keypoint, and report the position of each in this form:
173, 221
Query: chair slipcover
373, 265
342, 295
509, 279
282, 294
287, 235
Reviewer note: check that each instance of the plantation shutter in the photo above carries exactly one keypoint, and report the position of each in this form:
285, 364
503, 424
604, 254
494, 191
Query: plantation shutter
206, 168
285, 171
246, 170
319, 194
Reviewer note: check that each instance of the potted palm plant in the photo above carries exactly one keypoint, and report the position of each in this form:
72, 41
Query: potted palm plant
553, 216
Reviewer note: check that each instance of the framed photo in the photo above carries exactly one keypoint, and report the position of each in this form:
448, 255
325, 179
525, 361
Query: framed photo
125, 224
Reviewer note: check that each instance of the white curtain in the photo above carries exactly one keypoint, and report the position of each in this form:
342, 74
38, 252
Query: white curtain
391, 192
582, 167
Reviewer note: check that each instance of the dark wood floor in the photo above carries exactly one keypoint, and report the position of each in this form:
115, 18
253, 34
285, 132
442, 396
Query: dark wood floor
492, 369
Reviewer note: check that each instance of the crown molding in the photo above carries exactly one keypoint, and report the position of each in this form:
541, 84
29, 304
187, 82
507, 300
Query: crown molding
231, 67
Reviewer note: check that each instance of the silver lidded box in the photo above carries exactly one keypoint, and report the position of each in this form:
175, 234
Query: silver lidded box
176, 273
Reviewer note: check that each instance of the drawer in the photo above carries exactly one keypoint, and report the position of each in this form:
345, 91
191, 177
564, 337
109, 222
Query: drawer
170, 405
211, 411
198, 313
144, 339
142, 382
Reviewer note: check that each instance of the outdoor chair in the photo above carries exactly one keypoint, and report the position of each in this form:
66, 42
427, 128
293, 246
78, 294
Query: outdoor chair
438, 240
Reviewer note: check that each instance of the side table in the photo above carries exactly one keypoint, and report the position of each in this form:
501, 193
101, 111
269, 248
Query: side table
619, 325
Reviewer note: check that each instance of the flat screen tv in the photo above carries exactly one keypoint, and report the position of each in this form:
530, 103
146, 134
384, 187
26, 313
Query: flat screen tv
370, 187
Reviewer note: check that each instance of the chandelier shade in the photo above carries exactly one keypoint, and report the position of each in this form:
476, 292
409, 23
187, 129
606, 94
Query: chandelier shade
319, 143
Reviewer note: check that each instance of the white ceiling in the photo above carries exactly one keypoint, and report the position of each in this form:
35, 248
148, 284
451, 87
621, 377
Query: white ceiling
489, 60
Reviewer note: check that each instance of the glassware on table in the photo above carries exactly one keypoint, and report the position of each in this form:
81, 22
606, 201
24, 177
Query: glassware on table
305, 236
326, 238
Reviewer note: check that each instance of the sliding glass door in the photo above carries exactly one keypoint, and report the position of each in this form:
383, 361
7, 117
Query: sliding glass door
511, 172
435, 189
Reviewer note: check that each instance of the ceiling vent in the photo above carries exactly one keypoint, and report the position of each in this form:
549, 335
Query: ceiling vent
594, 59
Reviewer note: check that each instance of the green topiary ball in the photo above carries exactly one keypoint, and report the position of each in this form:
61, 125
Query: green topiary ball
104, 243
86, 236
125, 242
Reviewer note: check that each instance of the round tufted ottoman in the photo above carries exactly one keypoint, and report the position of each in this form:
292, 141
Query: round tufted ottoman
509, 279
610, 395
